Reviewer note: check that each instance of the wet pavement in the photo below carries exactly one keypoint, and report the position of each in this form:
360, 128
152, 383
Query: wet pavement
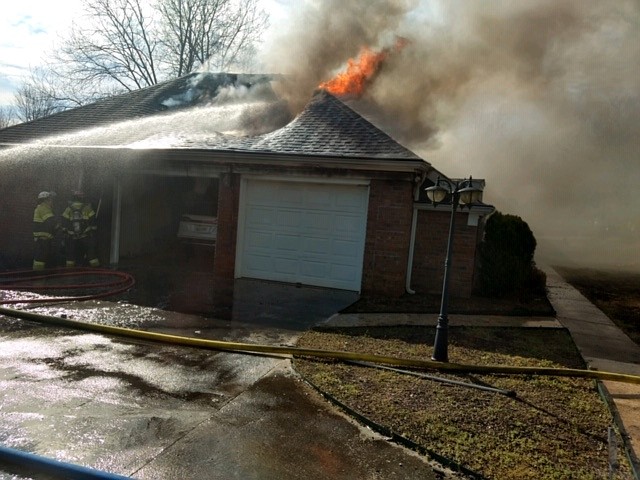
159, 411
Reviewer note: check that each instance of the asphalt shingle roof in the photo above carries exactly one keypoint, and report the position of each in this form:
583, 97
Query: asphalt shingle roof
325, 127
329, 127
185, 91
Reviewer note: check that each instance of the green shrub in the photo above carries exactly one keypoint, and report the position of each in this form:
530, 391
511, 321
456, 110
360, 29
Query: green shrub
506, 256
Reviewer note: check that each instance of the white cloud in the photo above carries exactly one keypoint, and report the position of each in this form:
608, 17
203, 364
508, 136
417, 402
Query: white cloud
28, 32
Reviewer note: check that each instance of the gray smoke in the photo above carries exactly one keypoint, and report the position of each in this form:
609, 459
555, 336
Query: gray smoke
323, 34
539, 97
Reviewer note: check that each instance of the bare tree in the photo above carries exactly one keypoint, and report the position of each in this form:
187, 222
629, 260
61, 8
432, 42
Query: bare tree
116, 43
41, 94
211, 33
131, 44
6, 117
36, 98
32, 104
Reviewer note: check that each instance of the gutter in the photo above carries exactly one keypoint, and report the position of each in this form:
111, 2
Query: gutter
248, 159
251, 158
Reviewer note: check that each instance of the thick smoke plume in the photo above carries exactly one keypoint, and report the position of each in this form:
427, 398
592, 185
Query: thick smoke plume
539, 97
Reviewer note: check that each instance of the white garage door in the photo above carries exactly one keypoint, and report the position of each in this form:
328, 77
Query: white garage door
304, 233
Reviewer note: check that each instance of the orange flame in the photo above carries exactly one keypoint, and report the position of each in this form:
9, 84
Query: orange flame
358, 73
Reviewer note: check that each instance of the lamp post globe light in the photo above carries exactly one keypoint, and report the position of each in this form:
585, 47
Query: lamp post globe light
462, 193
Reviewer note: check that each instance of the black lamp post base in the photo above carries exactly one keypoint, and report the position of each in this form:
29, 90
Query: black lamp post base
441, 343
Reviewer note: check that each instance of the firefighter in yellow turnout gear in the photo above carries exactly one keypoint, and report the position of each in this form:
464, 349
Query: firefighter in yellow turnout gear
80, 224
45, 225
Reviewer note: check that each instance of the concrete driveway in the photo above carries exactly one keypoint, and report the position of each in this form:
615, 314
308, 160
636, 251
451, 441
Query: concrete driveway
155, 411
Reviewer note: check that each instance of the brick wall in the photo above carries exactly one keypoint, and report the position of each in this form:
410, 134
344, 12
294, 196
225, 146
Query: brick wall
388, 233
225, 257
430, 250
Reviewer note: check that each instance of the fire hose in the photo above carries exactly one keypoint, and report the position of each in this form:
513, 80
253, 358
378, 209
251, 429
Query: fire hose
320, 353
33, 281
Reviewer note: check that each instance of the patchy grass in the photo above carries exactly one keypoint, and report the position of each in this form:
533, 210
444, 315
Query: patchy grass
556, 427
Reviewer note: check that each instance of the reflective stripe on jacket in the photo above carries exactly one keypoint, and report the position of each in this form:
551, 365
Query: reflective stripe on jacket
44, 222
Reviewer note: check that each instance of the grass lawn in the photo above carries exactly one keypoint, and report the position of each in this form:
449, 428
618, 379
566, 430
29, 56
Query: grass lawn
555, 427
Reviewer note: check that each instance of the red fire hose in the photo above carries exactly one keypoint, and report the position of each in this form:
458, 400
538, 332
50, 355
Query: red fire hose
100, 282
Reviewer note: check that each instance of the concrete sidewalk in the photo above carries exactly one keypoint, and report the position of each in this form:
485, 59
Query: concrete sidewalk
603, 346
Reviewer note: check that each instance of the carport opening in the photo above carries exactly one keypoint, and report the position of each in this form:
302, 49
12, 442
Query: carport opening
153, 209
168, 239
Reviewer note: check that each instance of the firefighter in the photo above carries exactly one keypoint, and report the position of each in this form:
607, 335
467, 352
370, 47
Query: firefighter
45, 226
80, 224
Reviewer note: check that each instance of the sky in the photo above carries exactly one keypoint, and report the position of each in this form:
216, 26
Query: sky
29, 29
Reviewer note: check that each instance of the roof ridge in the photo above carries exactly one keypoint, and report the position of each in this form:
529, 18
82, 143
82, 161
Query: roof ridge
366, 122
326, 125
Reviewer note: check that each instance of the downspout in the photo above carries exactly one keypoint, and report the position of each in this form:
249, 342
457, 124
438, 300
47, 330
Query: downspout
477, 265
81, 179
116, 223
414, 226
487, 217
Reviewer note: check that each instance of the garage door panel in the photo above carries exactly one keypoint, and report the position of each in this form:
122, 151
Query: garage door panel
261, 193
304, 232
259, 263
319, 199
348, 202
285, 242
289, 196
288, 218
286, 266
313, 269
346, 249
317, 222
348, 226
260, 216
318, 246
259, 239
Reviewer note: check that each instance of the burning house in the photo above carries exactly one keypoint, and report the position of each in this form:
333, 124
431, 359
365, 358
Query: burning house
215, 161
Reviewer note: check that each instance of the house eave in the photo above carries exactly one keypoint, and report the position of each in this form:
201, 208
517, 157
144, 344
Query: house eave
289, 160
249, 158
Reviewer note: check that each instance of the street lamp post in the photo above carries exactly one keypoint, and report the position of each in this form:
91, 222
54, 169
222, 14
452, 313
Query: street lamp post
462, 193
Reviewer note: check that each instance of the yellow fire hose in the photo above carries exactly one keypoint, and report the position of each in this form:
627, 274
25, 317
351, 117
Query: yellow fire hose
319, 353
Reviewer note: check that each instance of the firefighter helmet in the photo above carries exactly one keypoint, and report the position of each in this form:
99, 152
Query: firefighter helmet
45, 195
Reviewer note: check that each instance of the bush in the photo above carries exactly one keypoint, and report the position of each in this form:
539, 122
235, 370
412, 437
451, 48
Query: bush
506, 256
537, 283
